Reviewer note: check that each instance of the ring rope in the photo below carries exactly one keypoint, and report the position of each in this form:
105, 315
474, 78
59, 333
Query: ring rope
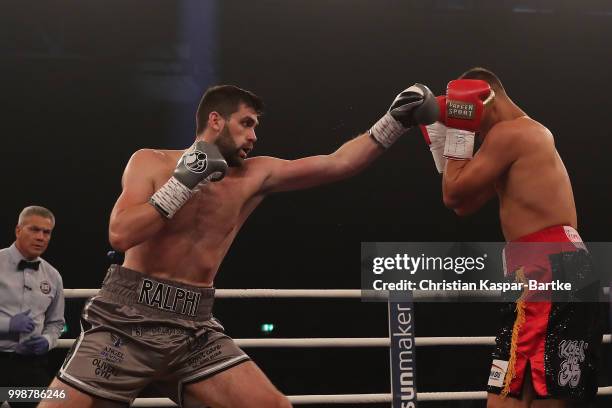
251, 293
353, 342
335, 342
313, 293
316, 342
357, 398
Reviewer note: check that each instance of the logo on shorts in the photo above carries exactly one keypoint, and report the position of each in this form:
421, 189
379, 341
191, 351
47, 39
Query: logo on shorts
140, 331
498, 373
111, 353
116, 340
460, 110
195, 161
573, 353
205, 356
170, 298
103, 369
45, 287
198, 343
573, 236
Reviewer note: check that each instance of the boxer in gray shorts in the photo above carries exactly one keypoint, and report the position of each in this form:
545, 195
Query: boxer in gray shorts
138, 329
177, 215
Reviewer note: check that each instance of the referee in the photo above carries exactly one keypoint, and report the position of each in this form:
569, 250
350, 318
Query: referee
31, 304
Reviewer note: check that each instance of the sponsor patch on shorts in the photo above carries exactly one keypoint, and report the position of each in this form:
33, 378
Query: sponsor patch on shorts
574, 237
498, 373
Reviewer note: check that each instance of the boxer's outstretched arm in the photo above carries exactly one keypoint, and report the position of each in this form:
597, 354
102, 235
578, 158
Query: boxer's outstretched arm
351, 158
133, 220
415, 104
469, 184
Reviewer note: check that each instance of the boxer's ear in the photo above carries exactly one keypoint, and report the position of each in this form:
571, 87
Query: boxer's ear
216, 121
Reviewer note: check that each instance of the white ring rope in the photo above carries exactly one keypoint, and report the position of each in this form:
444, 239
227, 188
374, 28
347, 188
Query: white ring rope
314, 293
335, 342
251, 293
320, 342
357, 398
353, 342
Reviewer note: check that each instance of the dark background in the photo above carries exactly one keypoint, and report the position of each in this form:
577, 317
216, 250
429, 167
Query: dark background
85, 84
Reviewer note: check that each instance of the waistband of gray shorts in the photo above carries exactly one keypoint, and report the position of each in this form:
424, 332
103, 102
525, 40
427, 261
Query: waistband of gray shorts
161, 297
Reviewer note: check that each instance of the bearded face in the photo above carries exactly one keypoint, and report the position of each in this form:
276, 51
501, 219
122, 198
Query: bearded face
229, 148
237, 137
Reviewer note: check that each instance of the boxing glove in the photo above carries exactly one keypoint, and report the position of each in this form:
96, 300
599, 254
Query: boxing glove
413, 105
465, 102
200, 164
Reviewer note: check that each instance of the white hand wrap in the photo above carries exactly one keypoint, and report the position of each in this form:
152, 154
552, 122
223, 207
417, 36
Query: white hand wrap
459, 144
436, 138
170, 197
387, 130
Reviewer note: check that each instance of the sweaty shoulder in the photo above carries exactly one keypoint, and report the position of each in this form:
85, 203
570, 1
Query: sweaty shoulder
154, 157
523, 128
147, 165
522, 132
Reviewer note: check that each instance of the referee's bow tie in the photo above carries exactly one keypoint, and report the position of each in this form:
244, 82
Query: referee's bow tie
23, 264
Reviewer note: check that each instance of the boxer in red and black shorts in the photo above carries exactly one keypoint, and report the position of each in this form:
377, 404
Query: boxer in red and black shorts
547, 347
555, 342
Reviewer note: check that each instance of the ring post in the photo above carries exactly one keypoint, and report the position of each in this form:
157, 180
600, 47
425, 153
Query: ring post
402, 350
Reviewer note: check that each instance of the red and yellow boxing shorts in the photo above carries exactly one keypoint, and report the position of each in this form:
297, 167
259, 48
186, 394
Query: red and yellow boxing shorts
557, 337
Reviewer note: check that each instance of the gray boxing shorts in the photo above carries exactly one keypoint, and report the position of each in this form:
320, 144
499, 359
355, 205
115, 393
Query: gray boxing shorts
139, 330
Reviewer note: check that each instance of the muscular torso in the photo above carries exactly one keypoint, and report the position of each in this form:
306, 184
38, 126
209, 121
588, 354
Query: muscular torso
191, 246
535, 192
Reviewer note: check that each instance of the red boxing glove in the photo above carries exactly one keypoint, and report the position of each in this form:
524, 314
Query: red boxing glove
465, 102
442, 105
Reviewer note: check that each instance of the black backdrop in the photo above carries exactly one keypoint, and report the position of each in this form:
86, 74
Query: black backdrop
85, 84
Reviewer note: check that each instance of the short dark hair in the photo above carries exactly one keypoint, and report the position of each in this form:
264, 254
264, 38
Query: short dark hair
485, 75
225, 100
